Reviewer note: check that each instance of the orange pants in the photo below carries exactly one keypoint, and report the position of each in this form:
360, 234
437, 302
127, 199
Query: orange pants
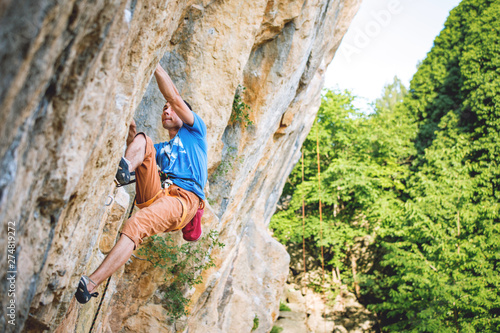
161, 209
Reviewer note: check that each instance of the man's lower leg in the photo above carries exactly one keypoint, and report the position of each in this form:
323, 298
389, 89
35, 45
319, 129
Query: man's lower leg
118, 256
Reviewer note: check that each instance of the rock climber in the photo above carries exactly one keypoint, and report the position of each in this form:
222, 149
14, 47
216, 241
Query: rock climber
180, 205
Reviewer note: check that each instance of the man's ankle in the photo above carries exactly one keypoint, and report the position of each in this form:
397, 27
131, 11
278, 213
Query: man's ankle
128, 163
91, 285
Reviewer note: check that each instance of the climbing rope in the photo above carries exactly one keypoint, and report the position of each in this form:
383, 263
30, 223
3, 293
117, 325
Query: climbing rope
303, 282
109, 279
100, 304
303, 220
321, 228
163, 177
320, 209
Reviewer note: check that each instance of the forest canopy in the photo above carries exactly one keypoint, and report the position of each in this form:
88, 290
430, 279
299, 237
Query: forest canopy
419, 177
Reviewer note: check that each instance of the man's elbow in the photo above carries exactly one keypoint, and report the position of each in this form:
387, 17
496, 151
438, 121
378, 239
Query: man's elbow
182, 110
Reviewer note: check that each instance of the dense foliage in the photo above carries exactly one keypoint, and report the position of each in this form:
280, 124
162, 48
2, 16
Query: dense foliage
361, 175
423, 177
184, 264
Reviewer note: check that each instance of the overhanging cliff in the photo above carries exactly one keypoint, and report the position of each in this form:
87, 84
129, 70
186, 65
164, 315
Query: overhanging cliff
72, 76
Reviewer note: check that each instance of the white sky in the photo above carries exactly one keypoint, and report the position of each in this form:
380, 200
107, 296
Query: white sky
385, 39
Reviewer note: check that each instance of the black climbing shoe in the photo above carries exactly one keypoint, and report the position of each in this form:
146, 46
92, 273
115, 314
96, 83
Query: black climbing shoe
123, 173
82, 293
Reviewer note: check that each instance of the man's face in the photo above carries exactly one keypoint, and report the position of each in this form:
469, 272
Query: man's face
169, 118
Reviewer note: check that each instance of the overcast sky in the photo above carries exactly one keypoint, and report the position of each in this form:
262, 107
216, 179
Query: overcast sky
386, 38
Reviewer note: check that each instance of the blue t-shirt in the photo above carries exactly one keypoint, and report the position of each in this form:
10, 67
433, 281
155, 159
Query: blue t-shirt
184, 158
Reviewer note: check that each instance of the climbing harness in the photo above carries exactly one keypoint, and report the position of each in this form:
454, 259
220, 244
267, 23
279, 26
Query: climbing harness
164, 177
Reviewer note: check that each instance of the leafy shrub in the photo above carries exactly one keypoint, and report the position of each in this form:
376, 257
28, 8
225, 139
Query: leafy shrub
241, 110
184, 263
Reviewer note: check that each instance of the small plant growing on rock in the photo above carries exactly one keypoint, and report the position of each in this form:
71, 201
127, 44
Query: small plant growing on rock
241, 110
184, 263
255, 323
284, 307
276, 329
228, 162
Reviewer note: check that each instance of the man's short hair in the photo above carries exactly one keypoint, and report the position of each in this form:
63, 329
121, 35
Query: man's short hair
189, 106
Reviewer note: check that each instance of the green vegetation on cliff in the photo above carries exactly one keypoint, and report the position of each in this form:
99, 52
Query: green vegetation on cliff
184, 265
422, 176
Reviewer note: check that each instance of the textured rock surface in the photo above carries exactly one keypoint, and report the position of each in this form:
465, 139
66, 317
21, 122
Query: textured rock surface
308, 312
72, 74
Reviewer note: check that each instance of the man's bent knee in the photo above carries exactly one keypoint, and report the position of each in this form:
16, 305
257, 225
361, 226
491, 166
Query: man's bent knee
136, 151
127, 239
139, 139
134, 240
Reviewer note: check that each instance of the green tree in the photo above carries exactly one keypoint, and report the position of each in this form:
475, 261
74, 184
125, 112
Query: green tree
392, 95
441, 248
423, 177
363, 160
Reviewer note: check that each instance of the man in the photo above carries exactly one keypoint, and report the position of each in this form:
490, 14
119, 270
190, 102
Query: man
180, 205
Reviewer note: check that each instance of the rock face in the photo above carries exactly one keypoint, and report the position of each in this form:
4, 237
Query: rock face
309, 313
72, 76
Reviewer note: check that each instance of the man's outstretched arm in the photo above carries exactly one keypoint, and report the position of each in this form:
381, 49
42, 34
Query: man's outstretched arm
172, 96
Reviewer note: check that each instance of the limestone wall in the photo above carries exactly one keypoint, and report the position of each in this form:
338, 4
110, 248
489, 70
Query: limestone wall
72, 76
